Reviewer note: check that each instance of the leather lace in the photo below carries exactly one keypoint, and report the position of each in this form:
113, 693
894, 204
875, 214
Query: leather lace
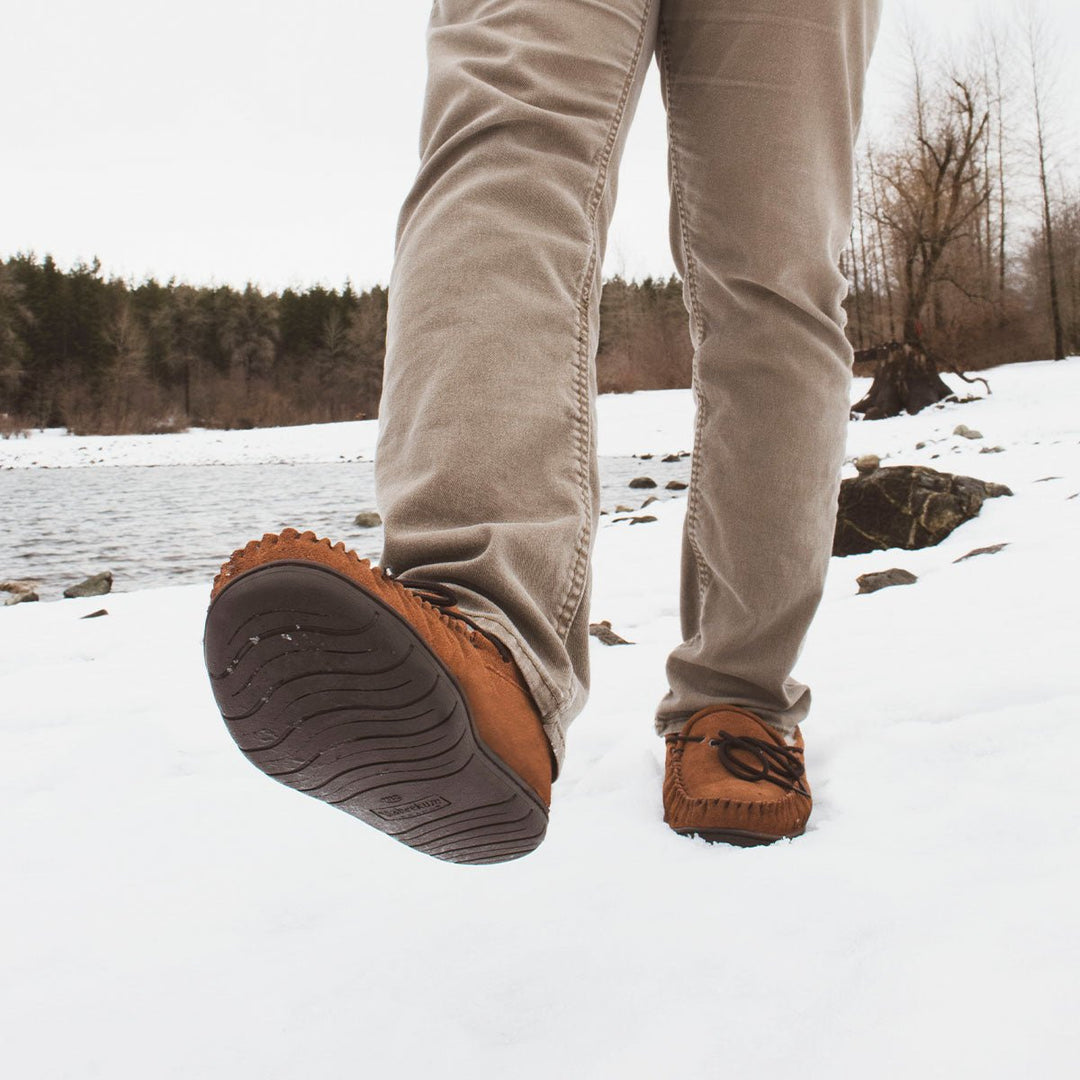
440, 596
779, 765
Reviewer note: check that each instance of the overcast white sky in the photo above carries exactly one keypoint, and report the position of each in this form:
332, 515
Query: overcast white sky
221, 141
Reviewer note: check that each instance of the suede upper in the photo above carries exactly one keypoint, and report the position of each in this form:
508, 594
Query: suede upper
703, 793
504, 715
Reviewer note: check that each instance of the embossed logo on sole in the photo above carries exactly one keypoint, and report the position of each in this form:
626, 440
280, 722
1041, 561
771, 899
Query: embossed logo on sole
413, 809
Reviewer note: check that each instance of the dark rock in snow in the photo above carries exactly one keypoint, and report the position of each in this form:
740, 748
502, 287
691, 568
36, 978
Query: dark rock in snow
883, 579
676, 485
620, 509
94, 585
22, 592
867, 463
643, 482
603, 631
642, 519
905, 506
990, 549
367, 519
28, 597
649, 501
670, 457
96, 614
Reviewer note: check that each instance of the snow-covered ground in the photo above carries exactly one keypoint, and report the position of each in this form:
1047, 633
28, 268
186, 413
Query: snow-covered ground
169, 912
629, 423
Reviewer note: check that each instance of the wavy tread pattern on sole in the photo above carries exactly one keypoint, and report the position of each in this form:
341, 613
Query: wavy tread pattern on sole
329, 691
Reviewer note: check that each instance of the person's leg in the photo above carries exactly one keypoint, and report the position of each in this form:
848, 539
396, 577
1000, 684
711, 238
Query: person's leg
763, 100
486, 468
426, 697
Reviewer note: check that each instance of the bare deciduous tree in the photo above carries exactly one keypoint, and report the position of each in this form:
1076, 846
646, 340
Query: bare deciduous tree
932, 192
928, 196
1037, 54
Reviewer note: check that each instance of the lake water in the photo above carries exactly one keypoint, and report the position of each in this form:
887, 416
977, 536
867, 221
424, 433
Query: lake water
175, 525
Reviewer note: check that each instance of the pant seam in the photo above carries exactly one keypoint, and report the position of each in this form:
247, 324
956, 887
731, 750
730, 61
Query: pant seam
581, 419
696, 323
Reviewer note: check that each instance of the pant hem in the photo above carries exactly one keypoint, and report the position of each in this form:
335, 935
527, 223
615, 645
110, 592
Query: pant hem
671, 725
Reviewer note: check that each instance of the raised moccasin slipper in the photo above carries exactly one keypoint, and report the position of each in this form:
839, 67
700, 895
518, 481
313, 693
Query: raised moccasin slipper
378, 697
730, 777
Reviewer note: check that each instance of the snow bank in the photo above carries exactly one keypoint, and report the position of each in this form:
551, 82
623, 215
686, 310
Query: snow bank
649, 421
172, 913
55, 448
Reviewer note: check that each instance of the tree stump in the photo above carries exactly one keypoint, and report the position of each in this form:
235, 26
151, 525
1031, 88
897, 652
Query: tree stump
906, 379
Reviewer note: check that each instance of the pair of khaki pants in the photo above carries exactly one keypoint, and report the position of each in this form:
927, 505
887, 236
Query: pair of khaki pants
486, 469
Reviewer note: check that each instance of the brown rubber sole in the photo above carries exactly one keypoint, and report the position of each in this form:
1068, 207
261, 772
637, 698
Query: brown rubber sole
331, 692
739, 837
